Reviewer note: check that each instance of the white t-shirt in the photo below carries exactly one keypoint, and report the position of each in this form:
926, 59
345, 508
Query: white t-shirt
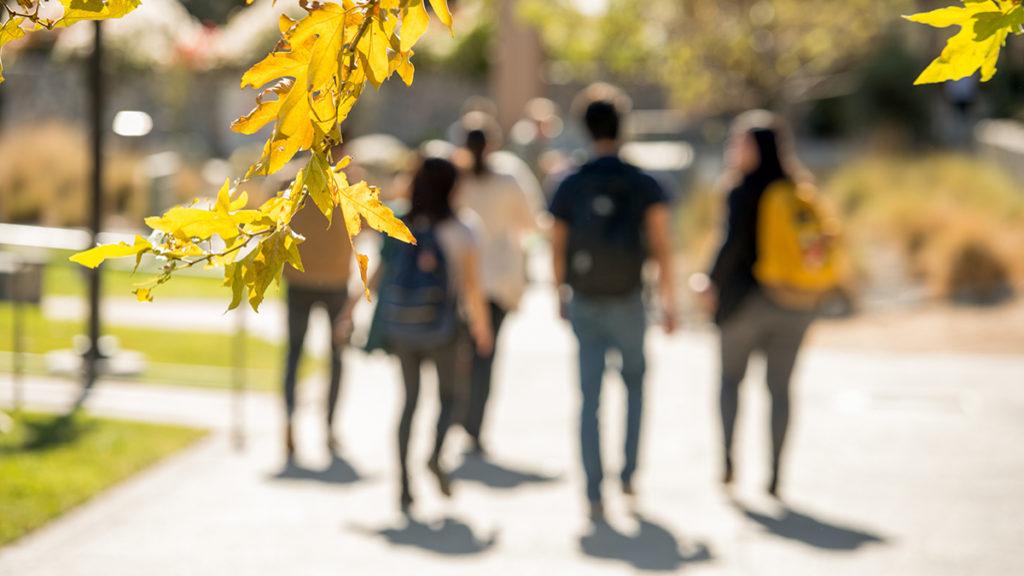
504, 215
458, 236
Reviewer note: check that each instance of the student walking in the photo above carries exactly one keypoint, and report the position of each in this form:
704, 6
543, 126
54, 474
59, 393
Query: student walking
429, 297
505, 218
609, 217
778, 260
326, 258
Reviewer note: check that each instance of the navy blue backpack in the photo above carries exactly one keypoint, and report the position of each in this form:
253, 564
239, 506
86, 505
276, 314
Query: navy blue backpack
417, 307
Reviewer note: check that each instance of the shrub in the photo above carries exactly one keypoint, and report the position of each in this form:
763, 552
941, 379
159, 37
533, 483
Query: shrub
44, 177
953, 218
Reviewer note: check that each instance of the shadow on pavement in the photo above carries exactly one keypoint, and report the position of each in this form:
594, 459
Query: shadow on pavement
449, 537
339, 471
789, 523
652, 548
492, 474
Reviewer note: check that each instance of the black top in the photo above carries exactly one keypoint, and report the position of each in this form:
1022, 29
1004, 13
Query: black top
605, 204
733, 272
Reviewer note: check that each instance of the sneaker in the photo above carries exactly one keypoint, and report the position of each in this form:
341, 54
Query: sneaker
289, 442
443, 482
405, 501
476, 448
628, 489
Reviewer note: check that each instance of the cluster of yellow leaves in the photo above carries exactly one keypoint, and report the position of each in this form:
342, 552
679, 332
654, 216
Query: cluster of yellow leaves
29, 15
984, 27
309, 84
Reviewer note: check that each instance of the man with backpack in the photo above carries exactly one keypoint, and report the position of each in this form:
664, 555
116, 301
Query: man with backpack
609, 218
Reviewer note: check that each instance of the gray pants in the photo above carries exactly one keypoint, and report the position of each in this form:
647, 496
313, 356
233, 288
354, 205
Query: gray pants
760, 325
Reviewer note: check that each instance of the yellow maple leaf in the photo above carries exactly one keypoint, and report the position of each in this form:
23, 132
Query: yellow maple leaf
95, 256
443, 14
414, 25
361, 200
966, 52
78, 10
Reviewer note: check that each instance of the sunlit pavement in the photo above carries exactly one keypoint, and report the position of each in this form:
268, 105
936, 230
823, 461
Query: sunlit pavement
898, 465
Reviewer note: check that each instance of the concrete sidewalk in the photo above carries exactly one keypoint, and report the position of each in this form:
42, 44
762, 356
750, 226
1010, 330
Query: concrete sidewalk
898, 465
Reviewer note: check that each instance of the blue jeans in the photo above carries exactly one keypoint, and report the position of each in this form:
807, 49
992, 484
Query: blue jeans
603, 324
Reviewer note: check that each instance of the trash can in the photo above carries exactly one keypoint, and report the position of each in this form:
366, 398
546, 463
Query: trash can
21, 279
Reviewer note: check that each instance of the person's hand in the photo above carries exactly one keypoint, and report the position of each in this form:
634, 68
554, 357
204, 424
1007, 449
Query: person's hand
707, 293
483, 338
564, 297
343, 326
709, 300
669, 321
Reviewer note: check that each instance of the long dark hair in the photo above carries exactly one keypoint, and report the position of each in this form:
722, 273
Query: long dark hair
773, 140
431, 192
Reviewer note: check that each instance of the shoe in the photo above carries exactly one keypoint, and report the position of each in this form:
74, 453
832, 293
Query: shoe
628, 489
443, 482
289, 442
596, 512
405, 501
476, 448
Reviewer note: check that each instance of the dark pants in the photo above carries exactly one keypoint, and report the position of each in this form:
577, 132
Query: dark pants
601, 325
446, 361
480, 378
300, 303
759, 325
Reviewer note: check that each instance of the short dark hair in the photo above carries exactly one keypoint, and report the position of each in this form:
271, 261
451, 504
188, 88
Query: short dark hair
602, 106
431, 194
602, 120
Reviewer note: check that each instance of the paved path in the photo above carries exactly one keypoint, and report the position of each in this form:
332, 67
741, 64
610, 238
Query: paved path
906, 465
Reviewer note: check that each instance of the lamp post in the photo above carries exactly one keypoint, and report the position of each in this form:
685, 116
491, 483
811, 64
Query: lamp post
96, 107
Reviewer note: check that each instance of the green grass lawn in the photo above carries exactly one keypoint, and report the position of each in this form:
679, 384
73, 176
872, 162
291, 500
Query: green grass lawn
49, 464
186, 358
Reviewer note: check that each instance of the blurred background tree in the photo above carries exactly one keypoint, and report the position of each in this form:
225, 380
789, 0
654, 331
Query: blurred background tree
717, 56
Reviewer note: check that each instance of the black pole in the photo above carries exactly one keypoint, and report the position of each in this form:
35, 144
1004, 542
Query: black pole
96, 118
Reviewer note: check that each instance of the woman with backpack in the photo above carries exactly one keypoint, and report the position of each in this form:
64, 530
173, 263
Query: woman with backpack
429, 298
506, 216
776, 264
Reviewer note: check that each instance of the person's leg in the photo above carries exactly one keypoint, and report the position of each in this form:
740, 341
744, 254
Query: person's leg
630, 327
480, 380
299, 302
410, 363
782, 345
737, 341
593, 346
445, 360
334, 301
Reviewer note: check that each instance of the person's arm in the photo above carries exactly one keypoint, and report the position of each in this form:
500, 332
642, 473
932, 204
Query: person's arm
559, 251
524, 212
476, 304
343, 325
725, 261
660, 241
